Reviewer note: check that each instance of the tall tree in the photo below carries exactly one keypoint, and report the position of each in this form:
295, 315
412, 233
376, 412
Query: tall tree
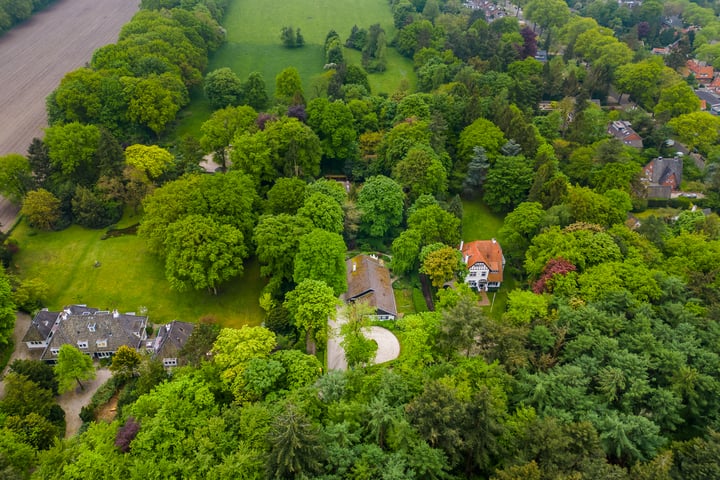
380, 202
149, 159
72, 366
321, 256
15, 176
296, 449
41, 208
223, 88
311, 305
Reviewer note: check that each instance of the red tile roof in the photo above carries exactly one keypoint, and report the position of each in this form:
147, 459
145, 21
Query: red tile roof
488, 252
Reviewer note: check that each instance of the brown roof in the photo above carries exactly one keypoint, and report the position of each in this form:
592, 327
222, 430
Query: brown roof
369, 279
488, 252
702, 72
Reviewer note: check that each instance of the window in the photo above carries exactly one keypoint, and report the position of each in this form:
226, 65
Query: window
82, 344
101, 343
54, 351
104, 354
169, 362
91, 327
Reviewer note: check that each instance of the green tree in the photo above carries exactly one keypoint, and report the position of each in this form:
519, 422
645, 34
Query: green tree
675, 100
296, 449
125, 363
72, 146
7, 310
549, 15
442, 264
154, 101
36, 371
91, 210
311, 305
359, 350
481, 133
149, 159
202, 253
72, 366
508, 182
406, 251
697, 130
223, 126
421, 172
288, 86
435, 225
15, 176
380, 201
321, 256
286, 196
254, 92
277, 238
41, 208
223, 88
24, 396
323, 212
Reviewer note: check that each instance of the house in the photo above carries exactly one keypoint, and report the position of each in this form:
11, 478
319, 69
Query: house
703, 73
622, 130
714, 86
708, 101
171, 338
485, 262
97, 333
368, 280
662, 176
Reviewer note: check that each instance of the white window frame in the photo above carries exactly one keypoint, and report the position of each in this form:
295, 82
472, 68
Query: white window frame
82, 344
55, 351
170, 362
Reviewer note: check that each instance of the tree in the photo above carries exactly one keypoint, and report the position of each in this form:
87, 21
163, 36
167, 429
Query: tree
72, 366
697, 130
435, 225
149, 159
675, 100
201, 341
15, 176
36, 371
321, 256
421, 172
476, 172
286, 196
72, 146
221, 128
380, 201
508, 182
41, 208
24, 396
359, 350
154, 101
311, 305
549, 14
296, 449
442, 264
223, 88
288, 86
125, 363
254, 92
481, 133
323, 212
90, 209
202, 253
406, 251
7, 310
277, 238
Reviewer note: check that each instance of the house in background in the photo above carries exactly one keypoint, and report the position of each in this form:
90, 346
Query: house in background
662, 176
485, 262
703, 72
97, 333
368, 280
170, 339
709, 100
622, 130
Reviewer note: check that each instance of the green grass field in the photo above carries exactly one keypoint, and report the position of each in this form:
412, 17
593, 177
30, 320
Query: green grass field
253, 44
479, 223
128, 278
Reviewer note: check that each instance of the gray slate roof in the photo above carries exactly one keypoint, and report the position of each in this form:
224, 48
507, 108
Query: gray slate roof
79, 323
40, 326
171, 338
369, 280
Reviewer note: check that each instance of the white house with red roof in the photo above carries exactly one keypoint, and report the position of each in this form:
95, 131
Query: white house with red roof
485, 262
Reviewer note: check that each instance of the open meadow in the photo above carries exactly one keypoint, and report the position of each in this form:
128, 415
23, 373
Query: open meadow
127, 277
253, 44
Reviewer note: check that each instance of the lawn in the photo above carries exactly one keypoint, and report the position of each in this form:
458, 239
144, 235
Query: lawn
127, 277
253, 44
479, 223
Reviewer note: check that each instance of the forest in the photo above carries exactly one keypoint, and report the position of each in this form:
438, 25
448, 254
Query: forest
604, 362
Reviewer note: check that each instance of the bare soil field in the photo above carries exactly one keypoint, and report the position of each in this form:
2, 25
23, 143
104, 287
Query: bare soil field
35, 55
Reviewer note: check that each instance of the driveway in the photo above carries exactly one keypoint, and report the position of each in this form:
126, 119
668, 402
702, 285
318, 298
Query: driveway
8, 214
388, 344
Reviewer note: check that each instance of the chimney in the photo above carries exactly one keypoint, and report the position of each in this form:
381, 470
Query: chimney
461, 245
494, 241
115, 314
354, 266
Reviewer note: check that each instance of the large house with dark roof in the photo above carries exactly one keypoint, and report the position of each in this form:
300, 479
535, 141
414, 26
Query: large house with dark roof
485, 262
97, 333
623, 131
368, 280
663, 176
171, 338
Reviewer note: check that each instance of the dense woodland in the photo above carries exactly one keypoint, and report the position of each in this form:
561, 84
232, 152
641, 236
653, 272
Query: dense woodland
606, 362
13, 12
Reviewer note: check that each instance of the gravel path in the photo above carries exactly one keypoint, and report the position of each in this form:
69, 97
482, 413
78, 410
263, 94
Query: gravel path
388, 344
75, 399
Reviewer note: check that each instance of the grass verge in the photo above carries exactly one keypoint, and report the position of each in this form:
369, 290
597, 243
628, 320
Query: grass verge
479, 223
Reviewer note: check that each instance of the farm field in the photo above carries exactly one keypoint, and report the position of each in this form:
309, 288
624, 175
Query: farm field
36, 55
128, 277
253, 44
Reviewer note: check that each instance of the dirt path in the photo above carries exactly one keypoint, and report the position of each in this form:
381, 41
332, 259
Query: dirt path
36, 55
